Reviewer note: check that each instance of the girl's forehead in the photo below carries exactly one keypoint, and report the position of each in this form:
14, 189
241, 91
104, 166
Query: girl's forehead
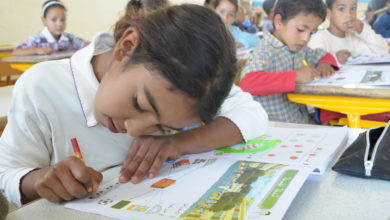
344, 2
55, 10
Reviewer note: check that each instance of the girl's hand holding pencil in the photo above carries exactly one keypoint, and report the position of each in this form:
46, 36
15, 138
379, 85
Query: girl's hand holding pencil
306, 74
66, 180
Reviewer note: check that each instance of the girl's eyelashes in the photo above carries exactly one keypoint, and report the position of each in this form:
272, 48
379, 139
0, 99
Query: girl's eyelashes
136, 105
300, 30
163, 131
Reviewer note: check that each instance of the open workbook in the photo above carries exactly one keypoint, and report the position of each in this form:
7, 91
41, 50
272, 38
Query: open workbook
357, 75
255, 180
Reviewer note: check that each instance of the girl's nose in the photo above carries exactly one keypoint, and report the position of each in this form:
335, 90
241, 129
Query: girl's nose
137, 127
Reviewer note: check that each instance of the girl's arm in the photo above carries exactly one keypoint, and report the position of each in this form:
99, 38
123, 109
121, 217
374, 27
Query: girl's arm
32, 51
240, 119
266, 83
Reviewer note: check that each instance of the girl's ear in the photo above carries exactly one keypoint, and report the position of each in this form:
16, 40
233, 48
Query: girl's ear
43, 19
127, 43
278, 21
328, 14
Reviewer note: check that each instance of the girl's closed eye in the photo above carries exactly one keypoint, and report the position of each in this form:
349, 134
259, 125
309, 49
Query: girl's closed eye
136, 105
300, 29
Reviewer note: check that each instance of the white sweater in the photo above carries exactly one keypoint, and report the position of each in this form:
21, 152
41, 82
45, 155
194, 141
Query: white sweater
366, 43
51, 104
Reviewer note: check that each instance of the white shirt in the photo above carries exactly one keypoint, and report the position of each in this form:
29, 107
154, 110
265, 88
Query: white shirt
366, 43
53, 102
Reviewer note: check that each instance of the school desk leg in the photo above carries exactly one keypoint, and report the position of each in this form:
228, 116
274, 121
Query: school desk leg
353, 121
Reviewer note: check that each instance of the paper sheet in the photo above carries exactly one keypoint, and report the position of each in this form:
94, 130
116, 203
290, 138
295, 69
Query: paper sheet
213, 188
312, 148
255, 180
369, 60
357, 75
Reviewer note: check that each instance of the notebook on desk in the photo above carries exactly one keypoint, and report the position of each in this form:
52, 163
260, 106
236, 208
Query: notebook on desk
360, 60
357, 75
258, 179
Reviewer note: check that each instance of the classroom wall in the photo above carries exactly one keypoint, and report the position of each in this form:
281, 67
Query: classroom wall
20, 19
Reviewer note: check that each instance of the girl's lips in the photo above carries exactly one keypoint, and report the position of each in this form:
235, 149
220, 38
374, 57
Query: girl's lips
111, 125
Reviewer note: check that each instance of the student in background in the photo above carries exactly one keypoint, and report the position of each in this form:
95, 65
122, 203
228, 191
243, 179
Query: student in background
145, 7
268, 7
346, 35
227, 10
373, 6
52, 38
278, 63
155, 73
382, 24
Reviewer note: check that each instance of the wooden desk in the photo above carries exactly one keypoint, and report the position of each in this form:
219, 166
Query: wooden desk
23, 63
330, 196
5, 68
354, 102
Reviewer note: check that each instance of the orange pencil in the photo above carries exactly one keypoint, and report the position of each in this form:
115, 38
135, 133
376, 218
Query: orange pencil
78, 154
76, 149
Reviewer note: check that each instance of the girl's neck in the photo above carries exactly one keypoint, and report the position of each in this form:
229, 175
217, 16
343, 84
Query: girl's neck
276, 34
336, 31
56, 37
100, 64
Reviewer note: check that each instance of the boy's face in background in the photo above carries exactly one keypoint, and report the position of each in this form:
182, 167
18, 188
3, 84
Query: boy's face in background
55, 21
342, 13
296, 32
227, 11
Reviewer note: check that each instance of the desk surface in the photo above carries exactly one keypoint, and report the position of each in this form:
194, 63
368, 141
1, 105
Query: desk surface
380, 92
37, 58
330, 196
6, 47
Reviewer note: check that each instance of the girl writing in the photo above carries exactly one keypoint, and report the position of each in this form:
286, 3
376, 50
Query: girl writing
151, 75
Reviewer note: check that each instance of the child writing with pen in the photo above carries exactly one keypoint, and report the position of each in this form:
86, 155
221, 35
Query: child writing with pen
278, 63
154, 73
52, 38
346, 35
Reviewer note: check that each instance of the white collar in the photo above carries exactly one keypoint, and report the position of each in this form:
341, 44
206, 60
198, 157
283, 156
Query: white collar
49, 37
86, 83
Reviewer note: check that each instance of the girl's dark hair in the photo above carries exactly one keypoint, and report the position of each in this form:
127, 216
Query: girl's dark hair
214, 3
191, 47
135, 7
61, 5
290, 8
329, 3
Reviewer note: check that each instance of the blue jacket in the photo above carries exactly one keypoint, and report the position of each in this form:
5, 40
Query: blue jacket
382, 25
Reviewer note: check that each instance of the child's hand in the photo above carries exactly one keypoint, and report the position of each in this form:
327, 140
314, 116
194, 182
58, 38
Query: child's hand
325, 69
239, 45
354, 25
148, 153
67, 179
305, 74
44, 50
342, 56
